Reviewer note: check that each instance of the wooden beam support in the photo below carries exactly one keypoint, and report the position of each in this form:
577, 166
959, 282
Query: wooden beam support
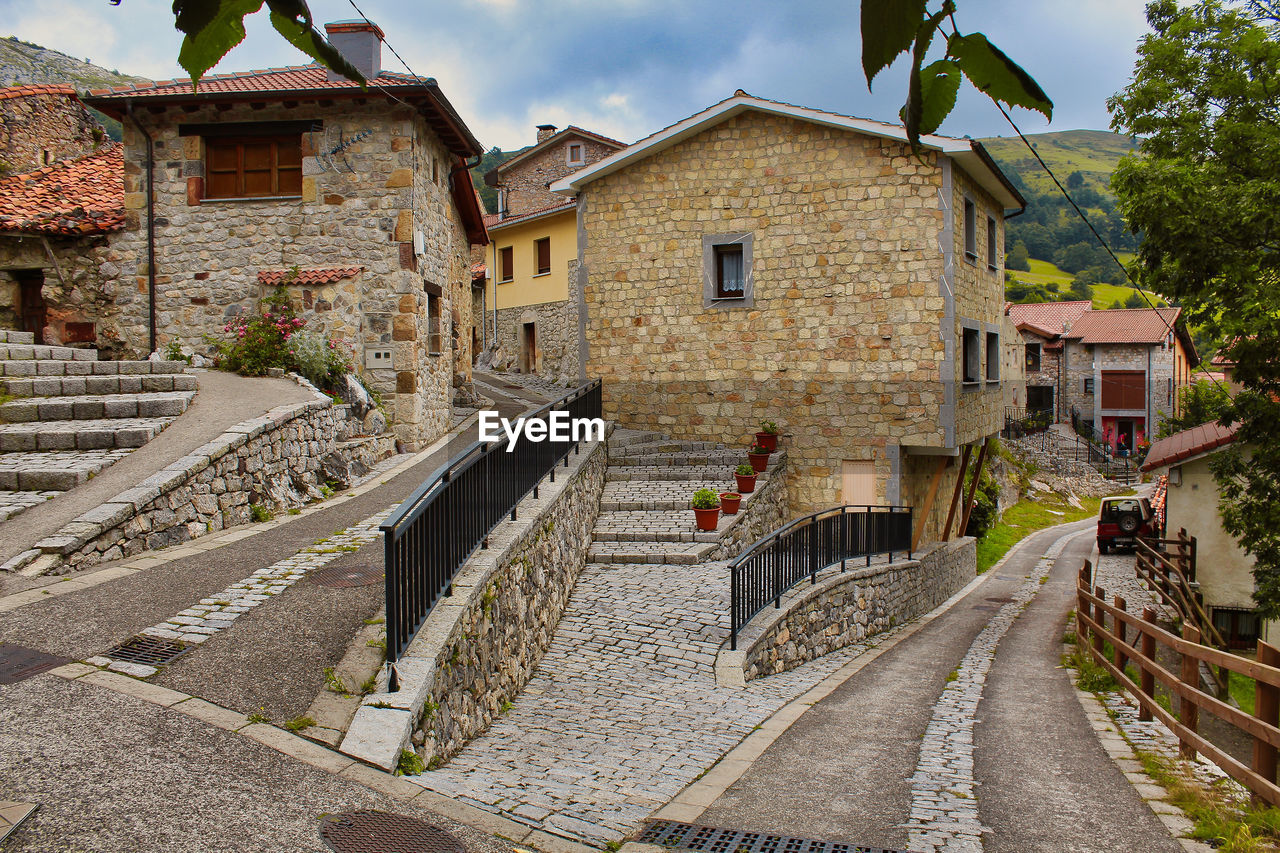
955, 495
923, 518
973, 490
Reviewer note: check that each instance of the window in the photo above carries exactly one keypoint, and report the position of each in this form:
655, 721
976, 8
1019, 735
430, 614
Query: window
726, 271
970, 230
993, 356
991, 243
435, 170
574, 157
1088, 385
506, 263
1238, 626
1033, 358
972, 356
502, 202
435, 338
542, 249
730, 279
253, 166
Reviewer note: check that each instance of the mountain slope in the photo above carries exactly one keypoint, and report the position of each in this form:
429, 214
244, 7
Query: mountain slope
1093, 153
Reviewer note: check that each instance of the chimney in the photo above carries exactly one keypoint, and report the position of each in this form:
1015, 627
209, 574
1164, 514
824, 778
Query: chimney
360, 43
546, 131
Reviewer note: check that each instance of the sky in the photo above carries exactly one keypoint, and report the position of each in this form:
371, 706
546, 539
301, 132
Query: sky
626, 68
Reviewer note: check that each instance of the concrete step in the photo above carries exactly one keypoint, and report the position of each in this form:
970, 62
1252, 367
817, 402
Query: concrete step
620, 438
682, 459
654, 526
15, 503
163, 404
80, 435
28, 352
642, 473
670, 495
671, 553
54, 470
9, 336
662, 447
30, 368
64, 386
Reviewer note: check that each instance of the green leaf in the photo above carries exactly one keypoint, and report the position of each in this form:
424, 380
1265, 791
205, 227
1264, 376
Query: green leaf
939, 83
888, 29
913, 110
995, 74
216, 26
305, 38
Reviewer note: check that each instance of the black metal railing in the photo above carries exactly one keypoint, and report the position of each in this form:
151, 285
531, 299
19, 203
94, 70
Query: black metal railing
1019, 422
433, 533
798, 550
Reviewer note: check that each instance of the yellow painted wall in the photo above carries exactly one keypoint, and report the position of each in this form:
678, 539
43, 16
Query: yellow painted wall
1224, 570
527, 287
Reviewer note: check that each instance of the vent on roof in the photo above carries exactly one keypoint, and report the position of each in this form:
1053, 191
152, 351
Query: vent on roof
360, 43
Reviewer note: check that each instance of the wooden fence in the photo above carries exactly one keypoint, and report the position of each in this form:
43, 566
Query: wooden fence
1136, 639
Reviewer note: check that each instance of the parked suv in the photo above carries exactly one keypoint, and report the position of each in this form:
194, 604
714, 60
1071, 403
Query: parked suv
1122, 520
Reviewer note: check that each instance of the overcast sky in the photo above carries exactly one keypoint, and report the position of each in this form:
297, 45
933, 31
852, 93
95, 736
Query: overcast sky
626, 68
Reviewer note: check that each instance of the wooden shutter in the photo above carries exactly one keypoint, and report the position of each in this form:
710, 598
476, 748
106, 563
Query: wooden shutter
253, 166
544, 254
1124, 389
506, 264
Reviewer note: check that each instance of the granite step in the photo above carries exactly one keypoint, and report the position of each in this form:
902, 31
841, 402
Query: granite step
670, 553
668, 495
80, 435
654, 526
35, 352
620, 438
640, 473
16, 503
63, 386
92, 407
654, 448
732, 458
56, 471
30, 368
9, 336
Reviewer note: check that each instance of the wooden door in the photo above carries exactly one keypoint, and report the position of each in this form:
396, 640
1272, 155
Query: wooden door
32, 314
858, 482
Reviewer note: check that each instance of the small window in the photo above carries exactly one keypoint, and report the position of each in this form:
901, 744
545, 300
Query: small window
972, 356
731, 280
1088, 385
506, 263
575, 154
726, 271
435, 337
435, 171
542, 248
253, 167
1170, 382
1033, 358
970, 230
993, 356
502, 202
991, 243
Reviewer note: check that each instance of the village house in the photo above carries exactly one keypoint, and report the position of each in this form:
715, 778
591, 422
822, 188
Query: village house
1040, 326
534, 254
364, 191
760, 260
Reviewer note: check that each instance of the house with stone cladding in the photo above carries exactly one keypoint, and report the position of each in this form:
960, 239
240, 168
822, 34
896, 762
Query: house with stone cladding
40, 125
229, 188
534, 253
1040, 326
760, 260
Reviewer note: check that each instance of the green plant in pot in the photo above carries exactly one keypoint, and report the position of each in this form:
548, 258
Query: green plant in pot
767, 437
759, 458
706, 509
729, 502
746, 477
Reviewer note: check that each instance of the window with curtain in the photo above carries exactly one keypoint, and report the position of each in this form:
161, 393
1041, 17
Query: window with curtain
731, 279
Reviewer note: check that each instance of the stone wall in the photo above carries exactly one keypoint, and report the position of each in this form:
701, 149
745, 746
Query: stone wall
765, 512
78, 288
480, 645
526, 182
39, 129
847, 607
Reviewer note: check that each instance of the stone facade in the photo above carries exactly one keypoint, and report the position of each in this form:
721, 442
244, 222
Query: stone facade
79, 287
844, 608
42, 124
522, 181
557, 353
1091, 363
850, 337
1047, 374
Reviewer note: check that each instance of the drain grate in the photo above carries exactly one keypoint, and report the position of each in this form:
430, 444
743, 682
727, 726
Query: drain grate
18, 663
684, 836
347, 576
370, 831
999, 600
152, 651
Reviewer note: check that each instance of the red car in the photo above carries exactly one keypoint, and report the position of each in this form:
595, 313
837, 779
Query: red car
1122, 520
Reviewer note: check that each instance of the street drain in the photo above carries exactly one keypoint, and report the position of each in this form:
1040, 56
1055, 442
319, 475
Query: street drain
1001, 600
684, 836
152, 651
347, 576
18, 663
370, 831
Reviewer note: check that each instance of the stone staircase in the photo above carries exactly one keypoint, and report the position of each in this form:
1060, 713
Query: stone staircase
644, 511
1063, 442
66, 415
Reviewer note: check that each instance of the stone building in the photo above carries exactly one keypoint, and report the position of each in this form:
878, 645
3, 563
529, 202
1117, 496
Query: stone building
40, 125
533, 254
365, 192
764, 261
1040, 326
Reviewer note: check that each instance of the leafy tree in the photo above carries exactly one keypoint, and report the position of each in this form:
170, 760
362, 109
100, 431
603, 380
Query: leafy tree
1075, 180
1078, 256
1018, 258
1206, 192
1081, 286
1135, 300
1201, 403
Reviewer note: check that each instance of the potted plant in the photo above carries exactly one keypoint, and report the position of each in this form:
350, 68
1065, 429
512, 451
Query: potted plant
729, 502
746, 477
706, 509
767, 437
759, 458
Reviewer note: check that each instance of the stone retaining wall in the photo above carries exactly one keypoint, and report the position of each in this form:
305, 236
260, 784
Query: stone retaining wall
847, 607
480, 645
764, 513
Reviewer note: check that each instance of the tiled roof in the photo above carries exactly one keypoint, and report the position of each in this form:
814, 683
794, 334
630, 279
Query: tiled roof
293, 78
1124, 326
550, 141
1189, 443
320, 276
84, 195
28, 91
493, 222
1048, 317
479, 271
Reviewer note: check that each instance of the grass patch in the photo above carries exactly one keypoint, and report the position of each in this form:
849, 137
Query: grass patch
297, 724
259, 513
333, 682
1241, 688
410, 763
1221, 824
1026, 517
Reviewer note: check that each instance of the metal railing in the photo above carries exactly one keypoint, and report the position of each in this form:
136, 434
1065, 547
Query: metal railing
433, 533
806, 546
1019, 422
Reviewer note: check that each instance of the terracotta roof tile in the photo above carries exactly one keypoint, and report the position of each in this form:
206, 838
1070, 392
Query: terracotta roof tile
479, 271
28, 91
1124, 326
84, 195
1189, 443
318, 276
525, 217
1048, 317
279, 80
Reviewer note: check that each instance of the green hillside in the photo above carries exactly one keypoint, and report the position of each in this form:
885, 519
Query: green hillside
1092, 153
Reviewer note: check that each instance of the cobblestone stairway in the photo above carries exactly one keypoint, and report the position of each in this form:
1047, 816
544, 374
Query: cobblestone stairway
72, 415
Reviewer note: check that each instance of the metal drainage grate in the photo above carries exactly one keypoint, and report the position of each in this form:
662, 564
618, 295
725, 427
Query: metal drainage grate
684, 836
371, 831
1000, 600
347, 576
152, 651
18, 663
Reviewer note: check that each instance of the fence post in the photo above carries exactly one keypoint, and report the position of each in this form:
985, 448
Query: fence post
1121, 633
1188, 713
1149, 614
1266, 707
1086, 573
1099, 619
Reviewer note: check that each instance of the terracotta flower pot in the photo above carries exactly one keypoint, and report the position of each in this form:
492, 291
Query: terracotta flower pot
759, 461
767, 440
707, 518
746, 484
729, 502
